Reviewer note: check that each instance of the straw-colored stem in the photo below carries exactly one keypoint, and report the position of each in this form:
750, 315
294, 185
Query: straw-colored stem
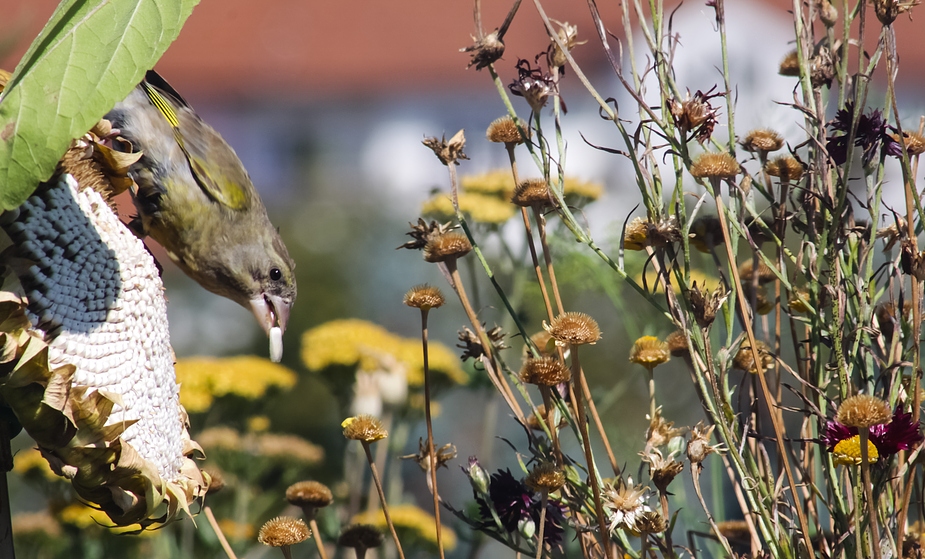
317, 537
547, 256
218, 532
872, 507
695, 476
385, 506
432, 455
552, 424
600, 426
542, 526
589, 458
651, 371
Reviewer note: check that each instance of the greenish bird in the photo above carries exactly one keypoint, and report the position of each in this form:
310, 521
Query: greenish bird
194, 197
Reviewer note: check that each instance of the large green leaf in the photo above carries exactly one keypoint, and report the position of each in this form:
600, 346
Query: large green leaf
90, 55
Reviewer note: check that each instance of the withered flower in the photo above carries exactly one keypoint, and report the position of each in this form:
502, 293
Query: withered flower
649, 352
651, 522
504, 131
534, 424
448, 152
473, 346
364, 428
762, 140
642, 233
485, 51
762, 304
531, 193
660, 431
309, 496
713, 165
915, 142
568, 35
698, 448
888, 10
282, 532
360, 537
545, 477
626, 503
911, 262
872, 135
573, 328
424, 297
662, 469
790, 65
863, 410
534, 85
448, 246
745, 361
422, 233
442, 455
694, 116
786, 168
894, 233
544, 371
705, 304
677, 344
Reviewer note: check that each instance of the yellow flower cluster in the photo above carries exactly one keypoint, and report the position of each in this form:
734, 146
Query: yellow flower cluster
268, 445
410, 520
31, 460
356, 342
654, 284
203, 379
583, 189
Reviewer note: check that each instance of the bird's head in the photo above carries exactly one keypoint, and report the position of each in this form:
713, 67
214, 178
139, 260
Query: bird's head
270, 286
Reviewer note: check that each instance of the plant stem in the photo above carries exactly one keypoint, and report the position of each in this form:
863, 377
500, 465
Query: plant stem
432, 454
542, 526
218, 532
385, 506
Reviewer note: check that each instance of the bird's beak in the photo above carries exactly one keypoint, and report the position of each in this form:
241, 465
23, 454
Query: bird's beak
270, 311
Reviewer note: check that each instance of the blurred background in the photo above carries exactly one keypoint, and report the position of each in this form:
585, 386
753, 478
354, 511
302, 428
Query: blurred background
327, 103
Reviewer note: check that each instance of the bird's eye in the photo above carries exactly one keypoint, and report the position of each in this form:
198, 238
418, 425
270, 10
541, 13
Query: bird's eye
275, 274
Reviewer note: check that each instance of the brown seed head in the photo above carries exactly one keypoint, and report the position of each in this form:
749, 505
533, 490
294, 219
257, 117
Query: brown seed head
649, 352
651, 522
283, 531
312, 494
573, 328
360, 536
636, 234
915, 142
660, 431
705, 304
790, 65
364, 428
762, 139
765, 273
735, 530
424, 297
544, 343
677, 344
504, 131
714, 165
423, 232
534, 424
442, 455
745, 361
662, 470
448, 246
706, 232
864, 410
532, 192
216, 480
546, 477
694, 115
544, 371
448, 152
786, 168
698, 448
485, 51
762, 304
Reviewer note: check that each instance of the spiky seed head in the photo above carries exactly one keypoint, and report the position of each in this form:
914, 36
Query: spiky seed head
283, 531
546, 477
662, 470
715, 165
544, 371
790, 65
360, 536
448, 152
573, 328
309, 494
677, 344
424, 297
785, 168
364, 428
762, 139
544, 343
446, 246
651, 522
504, 131
705, 304
745, 361
864, 410
649, 352
530, 193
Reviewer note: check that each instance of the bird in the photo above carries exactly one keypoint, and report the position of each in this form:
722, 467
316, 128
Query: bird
195, 198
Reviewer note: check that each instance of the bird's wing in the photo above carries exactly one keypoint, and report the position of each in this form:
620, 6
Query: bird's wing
221, 185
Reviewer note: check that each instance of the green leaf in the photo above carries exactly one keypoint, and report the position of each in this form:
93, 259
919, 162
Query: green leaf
90, 55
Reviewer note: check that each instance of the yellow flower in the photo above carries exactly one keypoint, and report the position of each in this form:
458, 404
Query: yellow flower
481, 207
649, 352
237, 531
848, 452
258, 423
206, 378
410, 521
498, 183
364, 428
356, 342
583, 189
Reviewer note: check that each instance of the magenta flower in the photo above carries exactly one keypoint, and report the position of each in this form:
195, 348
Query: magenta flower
889, 438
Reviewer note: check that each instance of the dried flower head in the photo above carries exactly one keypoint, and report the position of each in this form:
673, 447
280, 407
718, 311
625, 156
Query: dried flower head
765, 273
544, 342
532, 193
649, 352
915, 142
736, 531
762, 140
442, 455
546, 477
448, 246
485, 51
677, 344
504, 131
715, 165
364, 428
799, 300
848, 452
534, 424
544, 371
694, 115
534, 85
216, 480
422, 233
660, 431
705, 304
626, 503
745, 361
283, 531
568, 35
888, 10
662, 469
573, 328
472, 346
424, 297
651, 522
863, 410
360, 536
786, 168
698, 448
706, 232
309, 494
790, 65
451, 152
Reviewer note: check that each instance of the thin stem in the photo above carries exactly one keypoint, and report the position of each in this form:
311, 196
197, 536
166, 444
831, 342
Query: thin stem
385, 506
314, 526
868, 495
218, 532
432, 455
695, 475
539, 535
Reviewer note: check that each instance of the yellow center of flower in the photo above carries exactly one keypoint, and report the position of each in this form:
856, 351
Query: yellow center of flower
848, 451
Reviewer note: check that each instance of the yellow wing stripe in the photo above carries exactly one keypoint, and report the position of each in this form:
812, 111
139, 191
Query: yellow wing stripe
162, 105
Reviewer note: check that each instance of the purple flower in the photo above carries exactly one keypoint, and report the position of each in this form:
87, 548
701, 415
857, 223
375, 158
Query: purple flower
532, 84
889, 438
871, 135
514, 502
